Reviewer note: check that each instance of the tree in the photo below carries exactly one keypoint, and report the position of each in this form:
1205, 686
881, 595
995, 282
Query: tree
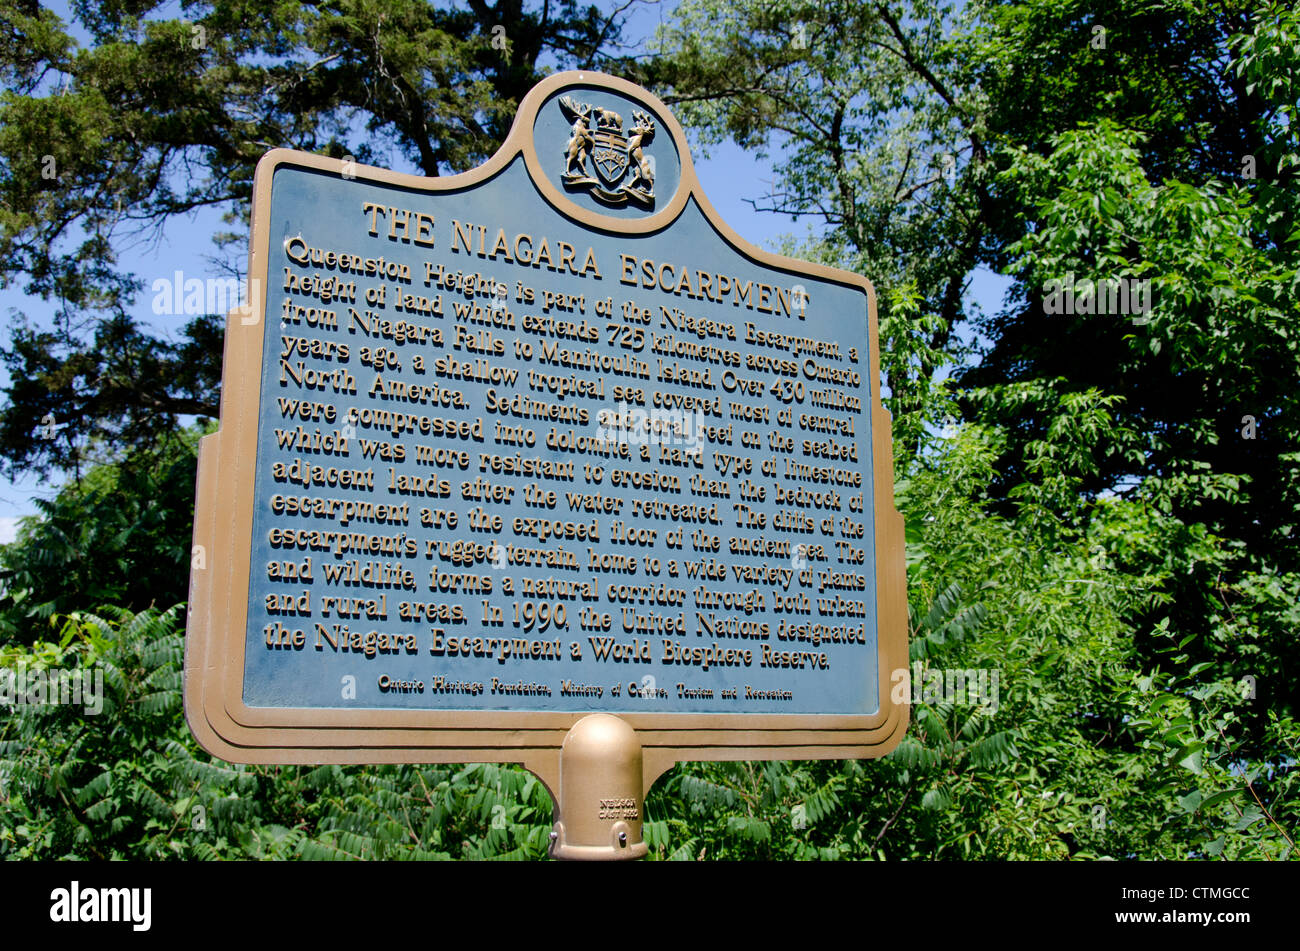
1088, 144
878, 128
160, 116
120, 536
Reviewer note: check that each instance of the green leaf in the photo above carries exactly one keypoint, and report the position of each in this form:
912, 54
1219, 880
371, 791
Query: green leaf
1191, 802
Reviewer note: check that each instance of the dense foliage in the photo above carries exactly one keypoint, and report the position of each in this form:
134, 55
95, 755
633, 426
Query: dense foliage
1089, 514
128, 781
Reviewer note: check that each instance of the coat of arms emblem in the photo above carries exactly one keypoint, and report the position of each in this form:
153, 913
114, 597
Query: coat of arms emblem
623, 172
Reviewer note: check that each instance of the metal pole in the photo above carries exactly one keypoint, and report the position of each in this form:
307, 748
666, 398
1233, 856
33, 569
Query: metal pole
600, 805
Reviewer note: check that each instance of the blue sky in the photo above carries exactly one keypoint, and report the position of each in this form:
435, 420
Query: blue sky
729, 177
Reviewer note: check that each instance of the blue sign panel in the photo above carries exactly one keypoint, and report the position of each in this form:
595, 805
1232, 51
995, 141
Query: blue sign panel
554, 441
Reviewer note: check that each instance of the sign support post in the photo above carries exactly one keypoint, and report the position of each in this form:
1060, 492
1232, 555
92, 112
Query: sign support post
600, 783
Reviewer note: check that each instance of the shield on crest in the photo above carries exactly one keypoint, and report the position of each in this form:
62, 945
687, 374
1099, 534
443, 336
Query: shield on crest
610, 155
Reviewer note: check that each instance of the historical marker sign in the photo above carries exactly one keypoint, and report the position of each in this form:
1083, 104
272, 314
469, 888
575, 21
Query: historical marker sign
540, 440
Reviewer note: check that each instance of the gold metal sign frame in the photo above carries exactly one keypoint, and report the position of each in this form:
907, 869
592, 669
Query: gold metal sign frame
215, 642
